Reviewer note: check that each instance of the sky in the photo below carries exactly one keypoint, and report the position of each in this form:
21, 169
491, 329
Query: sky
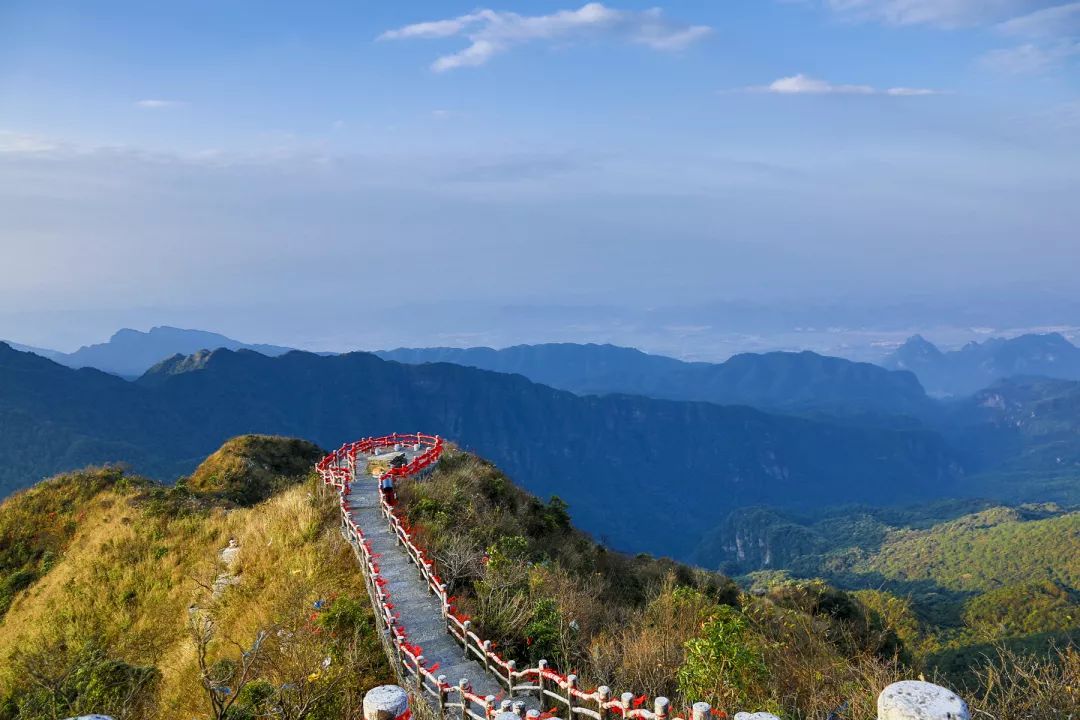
694, 177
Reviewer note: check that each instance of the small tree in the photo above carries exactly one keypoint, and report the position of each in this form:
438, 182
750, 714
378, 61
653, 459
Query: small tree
722, 666
223, 679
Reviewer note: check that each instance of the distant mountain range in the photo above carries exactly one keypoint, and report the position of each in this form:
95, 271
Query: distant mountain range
978, 365
130, 353
645, 474
790, 382
779, 381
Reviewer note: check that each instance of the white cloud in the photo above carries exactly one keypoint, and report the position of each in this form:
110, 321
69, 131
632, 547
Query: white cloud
13, 142
1053, 39
1031, 58
942, 13
1056, 21
491, 32
159, 104
804, 85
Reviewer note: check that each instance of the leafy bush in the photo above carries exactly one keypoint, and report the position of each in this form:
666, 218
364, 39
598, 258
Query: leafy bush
723, 665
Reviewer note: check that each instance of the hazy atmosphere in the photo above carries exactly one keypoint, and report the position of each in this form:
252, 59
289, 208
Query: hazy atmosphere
696, 178
540, 360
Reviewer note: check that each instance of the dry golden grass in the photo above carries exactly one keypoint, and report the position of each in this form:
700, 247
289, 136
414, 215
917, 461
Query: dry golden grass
129, 576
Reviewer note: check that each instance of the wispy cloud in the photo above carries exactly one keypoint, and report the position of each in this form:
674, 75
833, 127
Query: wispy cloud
805, 85
1056, 21
492, 32
1052, 37
156, 104
13, 142
1031, 58
941, 13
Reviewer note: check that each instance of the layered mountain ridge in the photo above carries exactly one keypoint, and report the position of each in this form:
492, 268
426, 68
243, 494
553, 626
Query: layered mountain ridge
667, 463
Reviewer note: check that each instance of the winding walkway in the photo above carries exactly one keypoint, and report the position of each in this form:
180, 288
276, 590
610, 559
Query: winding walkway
420, 612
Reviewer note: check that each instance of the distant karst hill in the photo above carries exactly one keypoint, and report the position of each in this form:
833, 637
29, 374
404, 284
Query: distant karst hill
778, 381
632, 468
130, 353
978, 365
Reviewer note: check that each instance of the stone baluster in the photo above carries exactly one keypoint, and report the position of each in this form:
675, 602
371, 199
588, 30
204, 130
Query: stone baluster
918, 700
661, 706
385, 702
571, 683
701, 711
444, 695
541, 666
463, 687
627, 699
603, 696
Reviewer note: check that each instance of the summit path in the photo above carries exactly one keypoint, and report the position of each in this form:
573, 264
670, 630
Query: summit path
420, 611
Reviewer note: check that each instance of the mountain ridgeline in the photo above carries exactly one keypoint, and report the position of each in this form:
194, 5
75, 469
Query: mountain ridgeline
978, 365
640, 473
803, 382
130, 353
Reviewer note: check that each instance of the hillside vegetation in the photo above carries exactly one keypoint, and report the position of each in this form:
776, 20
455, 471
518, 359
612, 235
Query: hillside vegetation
117, 585
540, 589
957, 578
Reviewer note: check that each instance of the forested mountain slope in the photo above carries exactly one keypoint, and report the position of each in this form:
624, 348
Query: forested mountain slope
663, 464
783, 381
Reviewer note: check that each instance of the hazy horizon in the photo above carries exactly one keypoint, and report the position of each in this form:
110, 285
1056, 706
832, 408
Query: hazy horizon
694, 179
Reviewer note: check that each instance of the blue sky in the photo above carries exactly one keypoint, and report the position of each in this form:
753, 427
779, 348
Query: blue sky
271, 169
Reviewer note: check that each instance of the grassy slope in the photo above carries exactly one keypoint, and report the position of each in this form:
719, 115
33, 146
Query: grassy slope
127, 565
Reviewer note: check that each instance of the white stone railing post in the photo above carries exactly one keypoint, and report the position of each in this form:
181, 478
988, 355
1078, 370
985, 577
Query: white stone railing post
603, 695
444, 693
541, 666
385, 702
918, 700
571, 683
660, 708
463, 687
701, 711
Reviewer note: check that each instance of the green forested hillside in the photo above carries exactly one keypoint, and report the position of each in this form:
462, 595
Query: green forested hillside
957, 576
984, 551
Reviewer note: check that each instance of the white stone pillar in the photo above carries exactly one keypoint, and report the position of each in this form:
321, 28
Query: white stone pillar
385, 702
700, 711
917, 700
